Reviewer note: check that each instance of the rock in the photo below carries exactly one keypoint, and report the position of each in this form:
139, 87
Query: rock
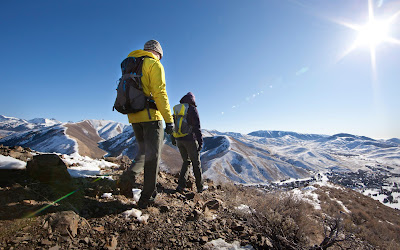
238, 228
46, 225
164, 208
99, 229
18, 148
49, 168
56, 247
85, 240
65, 222
266, 242
111, 159
112, 243
22, 239
190, 196
203, 239
213, 204
194, 215
29, 202
45, 242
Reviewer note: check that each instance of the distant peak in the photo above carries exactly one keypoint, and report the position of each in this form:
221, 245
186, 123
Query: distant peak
44, 121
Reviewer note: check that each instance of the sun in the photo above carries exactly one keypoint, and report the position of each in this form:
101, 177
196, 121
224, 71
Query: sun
372, 34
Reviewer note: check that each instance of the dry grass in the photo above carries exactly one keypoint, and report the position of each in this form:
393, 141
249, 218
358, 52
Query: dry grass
288, 223
369, 220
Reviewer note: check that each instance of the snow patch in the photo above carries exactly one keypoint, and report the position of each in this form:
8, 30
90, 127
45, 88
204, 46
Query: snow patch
221, 244
137, 214
7, 162
377, 195
106, 195
84, 166
136, 194
245, 209
307, 195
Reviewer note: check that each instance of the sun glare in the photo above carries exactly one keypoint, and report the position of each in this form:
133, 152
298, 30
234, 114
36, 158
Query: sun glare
373, 33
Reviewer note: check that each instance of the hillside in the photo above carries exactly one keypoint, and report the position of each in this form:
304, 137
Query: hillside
369, 166
96, 216
258, 157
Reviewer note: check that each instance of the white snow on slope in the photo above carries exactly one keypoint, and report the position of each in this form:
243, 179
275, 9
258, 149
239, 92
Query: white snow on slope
7, 162
376, 195
107, 129
307, 194
83, 166
220, 244
45, 122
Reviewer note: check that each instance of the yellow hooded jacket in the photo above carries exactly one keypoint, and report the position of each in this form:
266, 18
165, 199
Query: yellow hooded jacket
153, 81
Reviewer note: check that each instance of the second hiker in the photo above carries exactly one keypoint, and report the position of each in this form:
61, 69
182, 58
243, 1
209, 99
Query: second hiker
189, 140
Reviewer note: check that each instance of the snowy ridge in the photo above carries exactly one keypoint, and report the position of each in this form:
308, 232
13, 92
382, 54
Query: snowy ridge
46, 139
121, 144
44, 122
108, 129
278, 134
258, 157
226, 158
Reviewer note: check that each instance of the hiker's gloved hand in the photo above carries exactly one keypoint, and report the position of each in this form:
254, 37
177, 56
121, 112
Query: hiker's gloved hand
173, 141
169, 128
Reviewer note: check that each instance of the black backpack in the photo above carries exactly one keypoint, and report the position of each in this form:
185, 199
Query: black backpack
130, 96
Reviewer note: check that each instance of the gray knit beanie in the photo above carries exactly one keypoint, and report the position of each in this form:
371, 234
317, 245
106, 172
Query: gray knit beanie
154, 45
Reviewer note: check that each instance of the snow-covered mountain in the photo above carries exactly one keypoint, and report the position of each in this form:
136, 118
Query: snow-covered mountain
45, 139
44, 122
274, 155
50, 135
108, 129
257, 157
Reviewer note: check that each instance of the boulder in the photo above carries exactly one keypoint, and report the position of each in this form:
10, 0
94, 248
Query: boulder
213, 204
49, 168
65, 222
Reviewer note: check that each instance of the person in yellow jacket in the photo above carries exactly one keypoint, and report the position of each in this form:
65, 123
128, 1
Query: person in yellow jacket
147, 125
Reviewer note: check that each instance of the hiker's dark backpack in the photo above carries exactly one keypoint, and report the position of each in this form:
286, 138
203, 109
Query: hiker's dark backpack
182, 127
130, 96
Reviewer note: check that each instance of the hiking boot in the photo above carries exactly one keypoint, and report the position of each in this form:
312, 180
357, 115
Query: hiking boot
143, 204
204, 188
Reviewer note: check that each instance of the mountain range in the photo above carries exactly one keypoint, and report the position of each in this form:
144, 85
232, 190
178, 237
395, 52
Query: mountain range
255, 158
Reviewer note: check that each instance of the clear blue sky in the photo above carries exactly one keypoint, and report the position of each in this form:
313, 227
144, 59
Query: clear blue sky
253, 65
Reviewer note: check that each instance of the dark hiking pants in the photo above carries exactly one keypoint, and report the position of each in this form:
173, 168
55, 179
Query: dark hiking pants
190, 154
149, 136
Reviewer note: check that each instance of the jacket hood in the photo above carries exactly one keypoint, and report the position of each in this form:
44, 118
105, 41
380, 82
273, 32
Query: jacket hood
188, 98
140, 52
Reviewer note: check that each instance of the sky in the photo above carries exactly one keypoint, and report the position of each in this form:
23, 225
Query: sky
284, 65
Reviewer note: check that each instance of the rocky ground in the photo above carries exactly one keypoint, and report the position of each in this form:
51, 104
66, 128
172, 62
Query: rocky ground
86, 220
90, 213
